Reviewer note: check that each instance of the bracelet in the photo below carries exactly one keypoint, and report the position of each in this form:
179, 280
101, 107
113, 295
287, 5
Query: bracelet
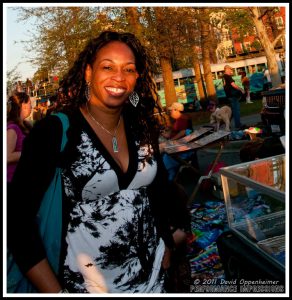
64, 291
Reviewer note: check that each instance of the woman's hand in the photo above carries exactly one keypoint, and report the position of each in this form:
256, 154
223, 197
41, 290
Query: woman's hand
179, 237
166, 258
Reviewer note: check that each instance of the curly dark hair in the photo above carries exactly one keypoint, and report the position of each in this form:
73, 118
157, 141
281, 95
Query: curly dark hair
143, 121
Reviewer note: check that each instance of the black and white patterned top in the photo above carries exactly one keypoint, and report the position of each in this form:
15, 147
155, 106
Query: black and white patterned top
113, 242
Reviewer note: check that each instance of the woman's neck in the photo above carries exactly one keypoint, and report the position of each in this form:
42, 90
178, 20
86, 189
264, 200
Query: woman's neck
109, 118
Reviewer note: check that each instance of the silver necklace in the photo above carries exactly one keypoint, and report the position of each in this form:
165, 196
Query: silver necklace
114, 138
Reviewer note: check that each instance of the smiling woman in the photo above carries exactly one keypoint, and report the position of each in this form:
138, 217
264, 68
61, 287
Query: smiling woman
117, 235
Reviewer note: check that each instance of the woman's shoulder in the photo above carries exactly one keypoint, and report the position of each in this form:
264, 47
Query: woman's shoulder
51, 126
54, 118
46, 135
12, 125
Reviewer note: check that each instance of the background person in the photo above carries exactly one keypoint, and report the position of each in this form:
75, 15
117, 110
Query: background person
246, 86
43, 106
36, 114
180, 127
55, 104
181, 124
18, 109
116, 235
233, 93
267, 80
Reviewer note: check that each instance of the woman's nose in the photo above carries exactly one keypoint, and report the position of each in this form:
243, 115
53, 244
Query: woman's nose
118, 75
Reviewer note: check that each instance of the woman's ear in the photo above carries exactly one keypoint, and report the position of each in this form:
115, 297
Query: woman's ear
88, 73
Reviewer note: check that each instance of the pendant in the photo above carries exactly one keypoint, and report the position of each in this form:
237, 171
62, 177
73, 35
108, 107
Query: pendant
115, 144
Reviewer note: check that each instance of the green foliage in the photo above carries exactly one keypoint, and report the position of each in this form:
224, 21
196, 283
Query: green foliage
256, 44
60, 33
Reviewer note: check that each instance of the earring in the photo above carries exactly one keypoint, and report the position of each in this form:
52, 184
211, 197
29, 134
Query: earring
87, 90
134, 98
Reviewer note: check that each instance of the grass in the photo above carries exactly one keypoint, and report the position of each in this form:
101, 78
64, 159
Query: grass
250, 109
202, 117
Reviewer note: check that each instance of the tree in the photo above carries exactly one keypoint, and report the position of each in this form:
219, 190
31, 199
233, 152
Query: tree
172, 36
164, 56
60, 34
206, 46
133, 19
257, 14
244, 20
12, 76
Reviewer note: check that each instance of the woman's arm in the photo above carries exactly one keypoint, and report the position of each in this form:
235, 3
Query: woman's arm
179, 135
159, 202
237, 87
12, 155
31, 179
44, 278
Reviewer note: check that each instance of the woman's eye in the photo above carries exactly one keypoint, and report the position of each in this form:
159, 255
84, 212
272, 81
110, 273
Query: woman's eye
107, 67
130, 70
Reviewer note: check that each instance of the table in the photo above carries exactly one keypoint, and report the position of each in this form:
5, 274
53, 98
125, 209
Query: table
180, 145
192, 143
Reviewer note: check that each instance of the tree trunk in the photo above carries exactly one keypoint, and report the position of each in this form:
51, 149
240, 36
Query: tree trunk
213, 44
133, 19
202, 95
267, 46
165, 58
169, 88
205, 34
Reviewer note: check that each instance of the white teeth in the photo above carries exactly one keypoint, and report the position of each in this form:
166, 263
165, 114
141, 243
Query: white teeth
115, 90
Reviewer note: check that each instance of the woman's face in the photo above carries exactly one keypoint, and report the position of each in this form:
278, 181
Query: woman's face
175, 114
25, 110
113, 76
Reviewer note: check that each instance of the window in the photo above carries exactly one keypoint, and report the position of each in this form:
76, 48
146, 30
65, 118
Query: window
247, 46
220, 74
240, 70
185, 80
251, 69
279, 22
261, 67
229, 51
160, 86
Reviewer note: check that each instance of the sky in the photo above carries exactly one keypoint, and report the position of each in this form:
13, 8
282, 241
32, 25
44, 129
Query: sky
14, 54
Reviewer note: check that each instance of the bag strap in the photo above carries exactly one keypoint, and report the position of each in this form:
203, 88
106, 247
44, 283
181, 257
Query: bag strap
65, 123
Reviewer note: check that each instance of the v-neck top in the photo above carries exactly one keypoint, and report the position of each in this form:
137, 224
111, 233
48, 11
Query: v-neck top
114, 227
124, 177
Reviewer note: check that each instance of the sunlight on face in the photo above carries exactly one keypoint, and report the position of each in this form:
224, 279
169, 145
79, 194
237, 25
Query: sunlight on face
113, 75
25, 109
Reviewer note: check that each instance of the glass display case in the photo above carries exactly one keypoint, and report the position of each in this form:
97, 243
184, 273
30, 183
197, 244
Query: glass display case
254, 195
